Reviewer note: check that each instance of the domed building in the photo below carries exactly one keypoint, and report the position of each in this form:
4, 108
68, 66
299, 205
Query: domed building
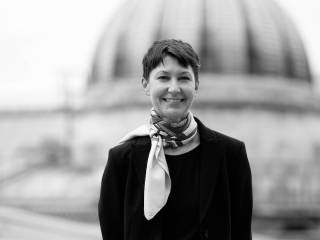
255, 85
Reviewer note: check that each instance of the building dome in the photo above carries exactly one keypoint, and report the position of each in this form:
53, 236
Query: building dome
231, 37
246, 42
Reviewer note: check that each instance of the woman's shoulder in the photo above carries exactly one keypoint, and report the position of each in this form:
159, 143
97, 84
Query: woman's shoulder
210, 134
229, 144
119, 155
128, 145
234, 151
234, 147
229, 140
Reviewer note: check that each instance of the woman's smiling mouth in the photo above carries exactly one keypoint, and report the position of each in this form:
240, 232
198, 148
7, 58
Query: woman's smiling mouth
174, 100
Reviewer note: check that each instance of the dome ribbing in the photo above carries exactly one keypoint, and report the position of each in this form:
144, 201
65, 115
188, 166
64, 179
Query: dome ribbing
245, 37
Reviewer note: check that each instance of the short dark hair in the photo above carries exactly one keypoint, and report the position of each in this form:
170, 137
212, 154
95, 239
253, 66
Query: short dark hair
177, 49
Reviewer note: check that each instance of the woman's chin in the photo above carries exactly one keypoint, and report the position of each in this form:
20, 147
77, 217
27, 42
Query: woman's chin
173, 117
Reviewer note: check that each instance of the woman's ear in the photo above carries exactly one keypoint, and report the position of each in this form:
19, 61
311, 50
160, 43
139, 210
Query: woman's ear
145, 85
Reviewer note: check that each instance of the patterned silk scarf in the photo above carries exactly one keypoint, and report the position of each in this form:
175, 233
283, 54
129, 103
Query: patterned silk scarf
173, 134
163, 135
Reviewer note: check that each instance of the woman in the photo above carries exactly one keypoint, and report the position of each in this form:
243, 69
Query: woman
174, 178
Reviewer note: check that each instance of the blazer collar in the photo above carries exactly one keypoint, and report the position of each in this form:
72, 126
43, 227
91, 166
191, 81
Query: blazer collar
211, 156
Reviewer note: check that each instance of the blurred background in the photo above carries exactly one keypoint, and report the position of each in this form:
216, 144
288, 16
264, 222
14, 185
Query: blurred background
70, 89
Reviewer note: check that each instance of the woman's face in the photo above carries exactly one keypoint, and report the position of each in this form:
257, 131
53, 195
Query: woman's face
172, 88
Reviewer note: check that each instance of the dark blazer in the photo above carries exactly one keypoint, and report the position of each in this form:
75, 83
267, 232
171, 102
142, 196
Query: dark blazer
225, 190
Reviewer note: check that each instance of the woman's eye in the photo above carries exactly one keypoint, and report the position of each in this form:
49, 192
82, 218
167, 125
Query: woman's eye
184, 78
163, 77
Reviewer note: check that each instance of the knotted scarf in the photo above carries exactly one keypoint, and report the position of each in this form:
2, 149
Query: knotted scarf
163, 135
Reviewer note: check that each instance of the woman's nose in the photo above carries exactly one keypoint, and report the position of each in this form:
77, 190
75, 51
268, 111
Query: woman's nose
174, 86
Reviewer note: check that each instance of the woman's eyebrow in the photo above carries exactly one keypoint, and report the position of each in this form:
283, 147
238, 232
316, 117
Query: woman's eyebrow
163, 72
179, 73
184, 72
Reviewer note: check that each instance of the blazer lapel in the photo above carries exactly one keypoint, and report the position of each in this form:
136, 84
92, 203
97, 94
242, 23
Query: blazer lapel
140, 157
211, 156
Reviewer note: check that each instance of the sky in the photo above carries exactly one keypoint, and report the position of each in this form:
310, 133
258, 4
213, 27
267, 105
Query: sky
46, 47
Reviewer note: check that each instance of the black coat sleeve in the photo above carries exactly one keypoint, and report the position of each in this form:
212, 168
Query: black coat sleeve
241, 196
111, 202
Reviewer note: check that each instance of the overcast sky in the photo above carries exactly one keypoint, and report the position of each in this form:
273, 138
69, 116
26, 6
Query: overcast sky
43, 43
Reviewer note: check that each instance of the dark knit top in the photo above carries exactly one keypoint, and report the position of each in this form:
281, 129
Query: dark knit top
181, 213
